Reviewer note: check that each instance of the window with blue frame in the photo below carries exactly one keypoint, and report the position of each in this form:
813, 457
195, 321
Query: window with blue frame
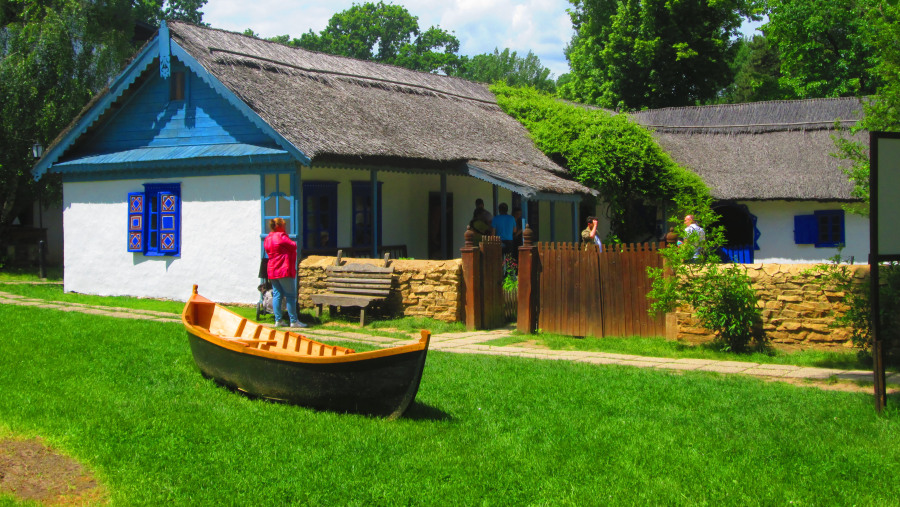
823, 228
278, 201
363, 214
154, 220
319, 214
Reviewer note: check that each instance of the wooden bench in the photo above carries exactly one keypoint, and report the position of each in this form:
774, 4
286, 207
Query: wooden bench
356, 284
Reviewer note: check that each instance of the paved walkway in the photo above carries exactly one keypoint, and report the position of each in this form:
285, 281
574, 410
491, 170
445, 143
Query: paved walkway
474, 343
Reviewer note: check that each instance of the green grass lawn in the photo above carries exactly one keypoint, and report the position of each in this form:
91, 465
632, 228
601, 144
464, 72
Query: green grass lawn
125, 399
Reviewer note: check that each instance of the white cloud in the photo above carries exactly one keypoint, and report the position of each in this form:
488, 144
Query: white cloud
541, 26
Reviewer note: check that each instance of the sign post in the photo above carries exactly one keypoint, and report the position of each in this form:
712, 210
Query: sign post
884, 246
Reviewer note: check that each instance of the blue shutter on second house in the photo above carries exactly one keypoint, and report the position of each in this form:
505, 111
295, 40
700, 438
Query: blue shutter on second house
136, 234
806, 229
169, 240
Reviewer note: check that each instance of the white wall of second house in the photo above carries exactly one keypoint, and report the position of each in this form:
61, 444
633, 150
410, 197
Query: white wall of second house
220, 249
775, 221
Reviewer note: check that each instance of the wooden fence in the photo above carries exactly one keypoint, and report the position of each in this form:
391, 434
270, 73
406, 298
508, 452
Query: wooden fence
576, 291
483, 275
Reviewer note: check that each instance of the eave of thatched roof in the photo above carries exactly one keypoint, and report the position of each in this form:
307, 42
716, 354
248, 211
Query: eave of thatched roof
331, 107
777, 150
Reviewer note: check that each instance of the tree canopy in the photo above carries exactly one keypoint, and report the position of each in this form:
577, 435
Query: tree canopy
384, 33
509, 67
825, 46
637, 54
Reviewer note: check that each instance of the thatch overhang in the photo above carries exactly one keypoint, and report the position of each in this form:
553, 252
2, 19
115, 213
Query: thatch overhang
779, 150
336, 108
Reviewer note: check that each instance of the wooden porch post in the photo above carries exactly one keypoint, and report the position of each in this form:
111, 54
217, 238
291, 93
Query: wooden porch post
445, 248
528, 287
471, 264
375, 224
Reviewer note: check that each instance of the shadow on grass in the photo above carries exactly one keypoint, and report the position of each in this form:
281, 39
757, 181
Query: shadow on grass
422, 412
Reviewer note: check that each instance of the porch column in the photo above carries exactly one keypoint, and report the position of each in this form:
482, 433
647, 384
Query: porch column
527, 315
298, 212
374, 177
445, 248
552, 220
576, 237
496, 197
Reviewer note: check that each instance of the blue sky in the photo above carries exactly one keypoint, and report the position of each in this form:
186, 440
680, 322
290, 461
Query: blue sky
541, 26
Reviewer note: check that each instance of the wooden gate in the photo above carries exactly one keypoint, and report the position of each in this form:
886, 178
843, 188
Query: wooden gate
483, 275
579, 292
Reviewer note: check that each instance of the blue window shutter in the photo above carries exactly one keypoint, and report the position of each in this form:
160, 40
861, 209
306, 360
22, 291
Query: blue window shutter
169, 228
136, 226
806, 229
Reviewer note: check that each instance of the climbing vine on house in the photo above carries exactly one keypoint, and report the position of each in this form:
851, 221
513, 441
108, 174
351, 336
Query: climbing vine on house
604, 151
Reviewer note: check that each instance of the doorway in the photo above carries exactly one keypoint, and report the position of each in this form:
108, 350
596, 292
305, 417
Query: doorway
434, 226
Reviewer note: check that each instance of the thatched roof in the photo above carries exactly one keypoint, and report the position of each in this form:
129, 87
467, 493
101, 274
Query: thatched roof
336, 108
760, 151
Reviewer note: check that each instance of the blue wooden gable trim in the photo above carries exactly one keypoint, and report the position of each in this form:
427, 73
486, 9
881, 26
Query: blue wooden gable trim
165, 54
127, 78
162, 122
229, 96
132, 71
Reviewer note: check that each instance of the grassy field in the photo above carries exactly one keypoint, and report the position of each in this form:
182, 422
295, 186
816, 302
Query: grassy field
125, 399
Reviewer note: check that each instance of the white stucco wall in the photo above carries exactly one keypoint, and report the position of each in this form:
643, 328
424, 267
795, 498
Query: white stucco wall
220, 250
775, 221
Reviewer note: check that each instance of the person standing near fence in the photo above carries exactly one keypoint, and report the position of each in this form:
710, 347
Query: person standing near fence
693, 234
282, 272
504, 225
590, 234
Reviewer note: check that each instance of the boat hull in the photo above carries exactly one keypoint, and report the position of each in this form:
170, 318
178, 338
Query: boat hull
288, 367
383, 386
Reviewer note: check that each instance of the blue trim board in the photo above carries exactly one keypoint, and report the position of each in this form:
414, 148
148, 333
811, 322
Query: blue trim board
210, 167
229, 96
124, 81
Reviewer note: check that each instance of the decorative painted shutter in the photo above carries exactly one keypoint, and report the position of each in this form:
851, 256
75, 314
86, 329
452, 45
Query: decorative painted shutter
806, 229
169, 240
136, 233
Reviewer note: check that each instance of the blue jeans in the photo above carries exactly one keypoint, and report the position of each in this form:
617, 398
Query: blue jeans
284, 288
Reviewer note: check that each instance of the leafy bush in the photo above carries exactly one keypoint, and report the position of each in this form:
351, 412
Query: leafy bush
838, 276
605, 151
721, 294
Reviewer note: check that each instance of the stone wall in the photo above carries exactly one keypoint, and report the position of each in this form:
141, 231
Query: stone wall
419, 288
796, 307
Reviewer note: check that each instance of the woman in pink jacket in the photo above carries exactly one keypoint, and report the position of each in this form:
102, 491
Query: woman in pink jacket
282, 271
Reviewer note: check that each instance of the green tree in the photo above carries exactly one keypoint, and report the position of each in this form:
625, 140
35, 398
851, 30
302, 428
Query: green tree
509, 67
54, 56
637, 54
881, 111
825, 46
757, 71
385, 33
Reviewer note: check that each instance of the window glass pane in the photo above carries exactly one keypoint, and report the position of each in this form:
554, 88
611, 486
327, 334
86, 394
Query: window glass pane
269, 208
284, 184
284, 206
269, 185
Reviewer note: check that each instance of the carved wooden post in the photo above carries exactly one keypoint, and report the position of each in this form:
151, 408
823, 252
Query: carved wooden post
528, 287
471, 264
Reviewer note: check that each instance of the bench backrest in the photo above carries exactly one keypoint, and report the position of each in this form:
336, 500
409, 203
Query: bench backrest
359, 279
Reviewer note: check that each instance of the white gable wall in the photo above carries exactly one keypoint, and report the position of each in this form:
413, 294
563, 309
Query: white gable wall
220, 249
775, 221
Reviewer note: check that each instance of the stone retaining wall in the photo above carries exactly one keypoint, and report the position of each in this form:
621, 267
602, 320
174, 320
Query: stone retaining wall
420, 288
796, 307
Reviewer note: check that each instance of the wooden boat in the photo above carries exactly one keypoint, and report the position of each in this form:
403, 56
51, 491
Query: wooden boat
288, 367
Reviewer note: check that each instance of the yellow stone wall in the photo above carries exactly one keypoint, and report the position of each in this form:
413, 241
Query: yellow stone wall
423, 288
797, 307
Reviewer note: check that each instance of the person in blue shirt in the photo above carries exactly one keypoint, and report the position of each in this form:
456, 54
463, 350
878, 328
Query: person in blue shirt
504, 225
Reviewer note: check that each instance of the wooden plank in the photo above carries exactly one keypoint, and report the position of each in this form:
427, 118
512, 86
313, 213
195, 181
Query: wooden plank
352, 289
359, 268
343, 299
379, 282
